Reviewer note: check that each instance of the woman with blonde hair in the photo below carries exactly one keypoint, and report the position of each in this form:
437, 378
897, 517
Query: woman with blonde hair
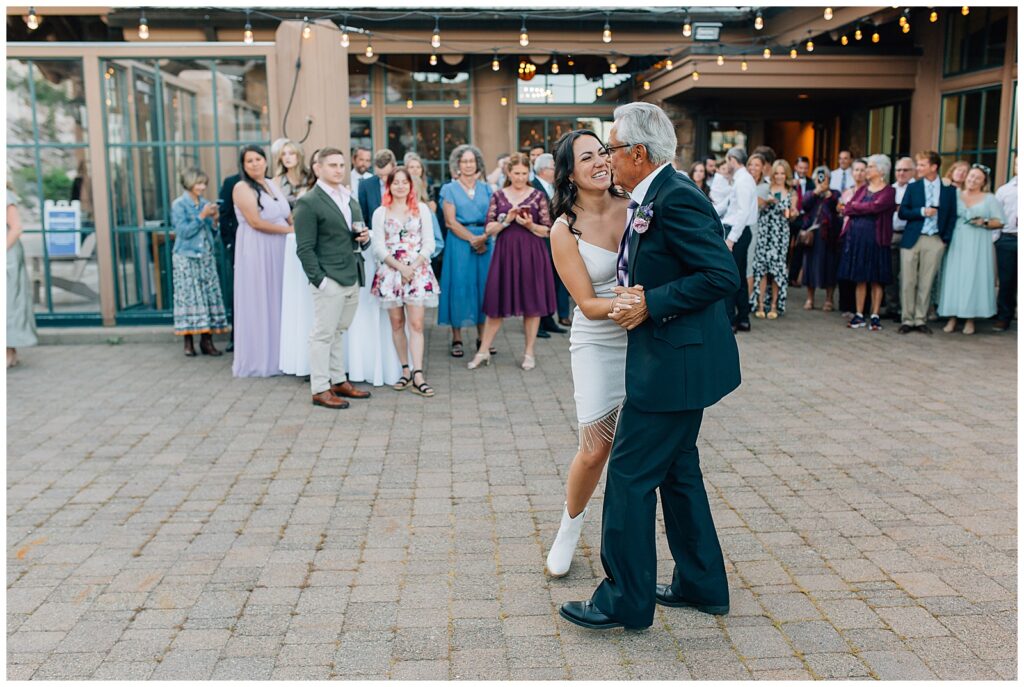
956, 175
413, 164
773, 242
290, 171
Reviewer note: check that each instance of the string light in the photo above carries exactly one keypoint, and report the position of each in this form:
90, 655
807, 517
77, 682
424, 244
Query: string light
433, 59
598, 91
721, 57
524, 37
903, 19
554, 65
668, 64
495, 64
456, 104
143, 25
32, 20
647, 85
810, 45
307, 30
875, 37
571, 62
363, 103
606, 36
828, 14
906, 27
687, 26
695, 75
504, 101
844, 40
759, 21
743, 65
345, 40
793, 52
369, 44
858, 34
965, 10
435, 40
408, 104
933, 17
247, 36
767, 53
613, 68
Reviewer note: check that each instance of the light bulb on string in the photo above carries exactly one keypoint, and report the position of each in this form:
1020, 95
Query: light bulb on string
858, 34
143, 26
844, 40
363, 103
345, 40
828, 14
933, 17
743, 65
965, 10
495, 64
810, 45
767, 53
408, 104
554, 65
906, 27
613, 68
307, 30
606, 35
668, 64
903, 18
793, 52
687, 26
433, 59
32, 20
504, 101
369, 44
524, 37
435, 39
875, 37
759, 21
598, 91
721, 59
247, 36
695, 75
571, 62
456, 104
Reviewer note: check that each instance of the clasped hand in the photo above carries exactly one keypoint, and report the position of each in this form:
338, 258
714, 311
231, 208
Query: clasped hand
629, 307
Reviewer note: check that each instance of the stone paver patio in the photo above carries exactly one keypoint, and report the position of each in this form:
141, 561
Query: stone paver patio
166, 521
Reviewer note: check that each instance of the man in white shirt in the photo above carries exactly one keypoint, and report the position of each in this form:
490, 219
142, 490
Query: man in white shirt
842, 177
1006, 255
740, 221
360, 169
904, 175
720, 189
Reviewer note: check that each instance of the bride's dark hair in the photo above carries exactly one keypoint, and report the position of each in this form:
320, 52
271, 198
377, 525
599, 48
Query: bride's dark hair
564, 200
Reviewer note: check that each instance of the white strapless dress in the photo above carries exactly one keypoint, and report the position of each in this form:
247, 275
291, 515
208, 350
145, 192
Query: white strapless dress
296, 313
598, 354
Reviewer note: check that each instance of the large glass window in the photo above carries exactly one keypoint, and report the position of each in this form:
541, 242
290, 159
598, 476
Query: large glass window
408, 77
49, 171
163, 116
977, 41
360, 132
889, 130
970, 127
545, 131
725, 134
433, 138
574, 89
359, 82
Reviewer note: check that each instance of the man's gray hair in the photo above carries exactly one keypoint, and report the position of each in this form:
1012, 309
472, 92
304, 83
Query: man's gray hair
453, 159
738, 153
883, 163
648, 124
543, 161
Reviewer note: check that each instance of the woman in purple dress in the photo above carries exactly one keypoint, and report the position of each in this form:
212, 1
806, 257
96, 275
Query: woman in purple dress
821, 257
520, 281
264, 218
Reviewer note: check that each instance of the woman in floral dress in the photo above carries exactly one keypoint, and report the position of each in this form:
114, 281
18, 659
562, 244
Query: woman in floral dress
403, 241
773, 243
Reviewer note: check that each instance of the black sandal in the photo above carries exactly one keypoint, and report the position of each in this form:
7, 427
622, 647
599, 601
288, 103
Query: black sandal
457, 351
421, 389
403, 382
492, 350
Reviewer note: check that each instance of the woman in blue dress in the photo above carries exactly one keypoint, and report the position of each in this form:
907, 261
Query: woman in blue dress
968, 275
467, 253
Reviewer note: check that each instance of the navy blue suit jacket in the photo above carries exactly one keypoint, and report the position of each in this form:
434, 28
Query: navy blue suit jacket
910, 210
369, 195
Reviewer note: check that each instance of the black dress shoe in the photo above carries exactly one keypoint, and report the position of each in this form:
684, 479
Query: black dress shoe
664, 595
586, 614
924, 329
541, 334
547, 324
905, 329
743, 326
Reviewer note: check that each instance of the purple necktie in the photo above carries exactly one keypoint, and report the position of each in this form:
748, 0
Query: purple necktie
623, 266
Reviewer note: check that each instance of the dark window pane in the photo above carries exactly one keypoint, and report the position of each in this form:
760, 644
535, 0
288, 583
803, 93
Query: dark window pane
358, 82
531, 133
990, 130
971, 120
401, 136
361, 133
950, 123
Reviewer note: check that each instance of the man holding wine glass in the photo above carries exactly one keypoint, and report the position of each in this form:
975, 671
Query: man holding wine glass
329, 235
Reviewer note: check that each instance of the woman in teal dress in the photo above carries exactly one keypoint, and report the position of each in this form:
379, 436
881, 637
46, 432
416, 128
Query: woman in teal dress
968, 274
467, 250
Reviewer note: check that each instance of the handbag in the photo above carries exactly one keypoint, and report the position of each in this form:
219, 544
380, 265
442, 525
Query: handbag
806, 236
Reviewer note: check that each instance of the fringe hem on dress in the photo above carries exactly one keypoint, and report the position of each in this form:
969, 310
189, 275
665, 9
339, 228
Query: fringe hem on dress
600, 431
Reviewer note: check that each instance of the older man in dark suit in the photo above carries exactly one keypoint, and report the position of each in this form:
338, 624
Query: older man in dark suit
544, 181
681, 358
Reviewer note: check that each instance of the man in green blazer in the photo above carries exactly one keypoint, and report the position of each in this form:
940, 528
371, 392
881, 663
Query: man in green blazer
329, 250
674, 272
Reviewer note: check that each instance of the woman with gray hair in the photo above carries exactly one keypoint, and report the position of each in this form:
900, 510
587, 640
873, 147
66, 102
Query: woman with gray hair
866, 257
467, 251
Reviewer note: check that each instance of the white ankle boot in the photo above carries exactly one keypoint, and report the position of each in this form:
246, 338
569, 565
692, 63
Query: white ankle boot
560, 556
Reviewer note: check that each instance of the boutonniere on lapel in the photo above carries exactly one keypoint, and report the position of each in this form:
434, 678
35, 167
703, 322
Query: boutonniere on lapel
642, 218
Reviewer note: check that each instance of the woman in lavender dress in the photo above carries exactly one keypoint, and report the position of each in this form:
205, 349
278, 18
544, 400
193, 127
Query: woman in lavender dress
264, 220
520, 281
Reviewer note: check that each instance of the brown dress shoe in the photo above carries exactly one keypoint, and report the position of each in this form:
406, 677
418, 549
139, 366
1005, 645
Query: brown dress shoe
346, 390
327, 399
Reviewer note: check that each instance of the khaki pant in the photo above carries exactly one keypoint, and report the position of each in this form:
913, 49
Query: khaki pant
334, 308
918, 267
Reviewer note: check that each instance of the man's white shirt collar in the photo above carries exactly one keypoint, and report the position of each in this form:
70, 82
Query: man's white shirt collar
639, 192
341, 192
550, 188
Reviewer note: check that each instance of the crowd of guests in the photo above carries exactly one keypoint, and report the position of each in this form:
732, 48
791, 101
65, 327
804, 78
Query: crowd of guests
333, 268
920, 247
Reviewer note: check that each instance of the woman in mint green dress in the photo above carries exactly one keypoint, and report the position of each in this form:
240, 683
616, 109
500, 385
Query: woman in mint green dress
968, 275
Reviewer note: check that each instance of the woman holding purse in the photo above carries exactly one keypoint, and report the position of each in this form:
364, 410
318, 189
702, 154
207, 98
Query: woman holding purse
820, 239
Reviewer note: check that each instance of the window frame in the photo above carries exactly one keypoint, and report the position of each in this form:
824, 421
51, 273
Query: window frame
947, 70
468, 71
468, 118
959, 152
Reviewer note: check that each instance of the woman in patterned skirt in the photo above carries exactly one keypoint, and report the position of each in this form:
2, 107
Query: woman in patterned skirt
198, 304
773, 242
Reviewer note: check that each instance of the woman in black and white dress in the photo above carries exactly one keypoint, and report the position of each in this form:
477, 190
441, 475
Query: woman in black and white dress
591, 218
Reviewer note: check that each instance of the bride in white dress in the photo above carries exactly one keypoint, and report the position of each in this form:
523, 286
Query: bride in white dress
584, 243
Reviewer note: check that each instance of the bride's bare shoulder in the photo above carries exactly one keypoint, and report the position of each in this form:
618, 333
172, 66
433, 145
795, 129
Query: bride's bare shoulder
560, 231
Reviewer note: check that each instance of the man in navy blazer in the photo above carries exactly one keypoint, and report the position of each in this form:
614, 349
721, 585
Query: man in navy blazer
929, 209
371, 190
